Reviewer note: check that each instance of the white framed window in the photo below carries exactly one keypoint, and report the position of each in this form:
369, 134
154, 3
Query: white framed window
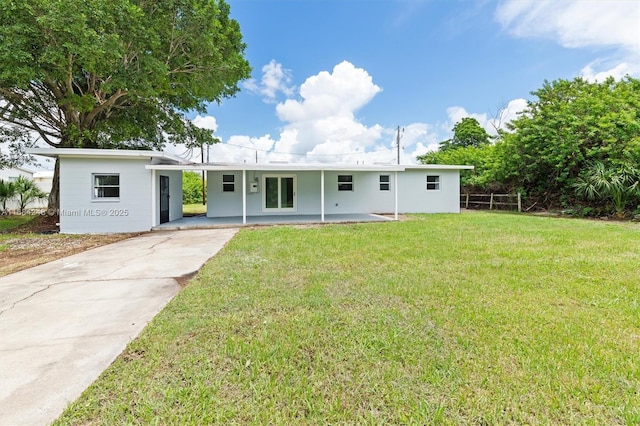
433, 183
106, 186
228, 183
345, 182
385, 181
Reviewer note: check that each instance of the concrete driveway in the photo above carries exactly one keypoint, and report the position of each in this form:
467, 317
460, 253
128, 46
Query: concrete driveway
63, 323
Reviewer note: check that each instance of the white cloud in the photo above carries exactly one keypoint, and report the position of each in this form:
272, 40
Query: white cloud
326, 94
321, 126
574, 23
322, 123
617, 72
507, 114
580, 24
457, 113
240, 149
206, 122
491, 124
275, 79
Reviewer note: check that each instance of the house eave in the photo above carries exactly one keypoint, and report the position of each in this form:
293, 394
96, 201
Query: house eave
301, 167
156, 156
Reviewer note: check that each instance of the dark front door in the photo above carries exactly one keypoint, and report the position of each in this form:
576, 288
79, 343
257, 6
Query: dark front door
164, 199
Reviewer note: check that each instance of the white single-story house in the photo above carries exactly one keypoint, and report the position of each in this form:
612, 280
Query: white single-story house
105, 191
42, 178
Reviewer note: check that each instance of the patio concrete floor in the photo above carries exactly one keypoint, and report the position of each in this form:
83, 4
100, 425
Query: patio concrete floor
203, 222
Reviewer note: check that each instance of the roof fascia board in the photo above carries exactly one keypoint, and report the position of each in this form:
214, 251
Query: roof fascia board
103, 153
439, 167
305, 167
275, 167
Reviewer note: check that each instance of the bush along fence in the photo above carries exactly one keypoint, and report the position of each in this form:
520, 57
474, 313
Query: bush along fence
491, 201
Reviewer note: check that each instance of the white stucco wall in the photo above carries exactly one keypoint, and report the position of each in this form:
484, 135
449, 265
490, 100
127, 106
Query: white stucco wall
224, 204
12, 173
81, 213
413, 196
366, 196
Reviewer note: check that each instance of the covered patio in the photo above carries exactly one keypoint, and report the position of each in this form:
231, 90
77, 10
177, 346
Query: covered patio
203, 222
277, 193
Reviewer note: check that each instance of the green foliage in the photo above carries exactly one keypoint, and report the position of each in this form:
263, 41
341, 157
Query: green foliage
467, 132
116, 73
470, 145
619, 184
481, 157
571, 125
26, 192
191, 188
7, 192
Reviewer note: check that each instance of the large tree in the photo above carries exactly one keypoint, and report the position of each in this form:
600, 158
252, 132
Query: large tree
570, 125
114, 73
466, 132
470, 145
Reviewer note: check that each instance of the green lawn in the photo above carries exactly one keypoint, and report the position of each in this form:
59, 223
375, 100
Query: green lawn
475, 318
193, 209
9, 222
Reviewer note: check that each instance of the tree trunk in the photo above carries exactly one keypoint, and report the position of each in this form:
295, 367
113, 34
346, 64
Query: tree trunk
54, 196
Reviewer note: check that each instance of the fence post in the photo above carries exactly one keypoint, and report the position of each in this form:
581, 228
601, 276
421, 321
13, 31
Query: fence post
466, 204
491, 202
519, 203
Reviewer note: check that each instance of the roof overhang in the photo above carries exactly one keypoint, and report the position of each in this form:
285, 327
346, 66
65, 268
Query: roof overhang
156, 156
302, 167
438, 167
164, 161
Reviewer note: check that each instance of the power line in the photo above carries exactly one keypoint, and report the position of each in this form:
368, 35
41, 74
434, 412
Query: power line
305, 154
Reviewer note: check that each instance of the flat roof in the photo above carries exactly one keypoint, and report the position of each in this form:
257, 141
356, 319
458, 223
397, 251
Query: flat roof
104, 153
299, 167
165, 161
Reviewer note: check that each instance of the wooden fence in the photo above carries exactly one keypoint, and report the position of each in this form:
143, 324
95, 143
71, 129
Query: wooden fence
491, 201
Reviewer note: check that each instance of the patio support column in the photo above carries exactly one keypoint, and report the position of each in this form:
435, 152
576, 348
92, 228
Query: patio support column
395, 193
244, 196
321, 195
154, 197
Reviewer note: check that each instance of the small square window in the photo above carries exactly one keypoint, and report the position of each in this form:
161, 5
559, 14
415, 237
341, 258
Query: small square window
228, 183
384, 182
345, 182
106, 186
433, 183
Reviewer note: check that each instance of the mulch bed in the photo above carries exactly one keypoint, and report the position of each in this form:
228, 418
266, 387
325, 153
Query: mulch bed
43, 224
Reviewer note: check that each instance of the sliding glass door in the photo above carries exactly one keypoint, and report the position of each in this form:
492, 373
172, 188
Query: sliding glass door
279, 193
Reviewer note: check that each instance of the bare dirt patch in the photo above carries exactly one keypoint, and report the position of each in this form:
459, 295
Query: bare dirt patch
38, 242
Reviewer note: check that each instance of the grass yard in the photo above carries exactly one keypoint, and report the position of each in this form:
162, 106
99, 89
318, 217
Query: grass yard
193, 209
8, 222
475, 318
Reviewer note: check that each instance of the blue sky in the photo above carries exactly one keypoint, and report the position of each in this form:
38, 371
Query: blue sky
332, 79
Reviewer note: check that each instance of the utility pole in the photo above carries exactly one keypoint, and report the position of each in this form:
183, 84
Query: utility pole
398, 143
